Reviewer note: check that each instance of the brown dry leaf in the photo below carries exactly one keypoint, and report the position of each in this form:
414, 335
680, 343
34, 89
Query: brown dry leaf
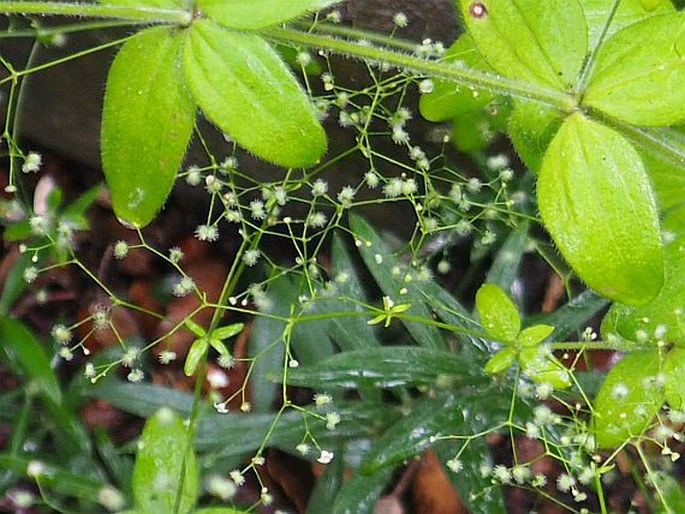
432, 491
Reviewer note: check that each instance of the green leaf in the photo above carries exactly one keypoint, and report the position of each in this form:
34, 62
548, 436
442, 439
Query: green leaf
661, 316
611, 240
542, 367
672, 494
159, 462
498, 314
449, 99
538, 42
535, 334
147, 119
257, 14
394, 278
628, 399
220, 510
24, 353
501, 361
359, 494
628, 12
227, 331
532, 126
327, 485
674, 370
639, 73
197, 351
242, 86
160, 4
393, 366
413, 434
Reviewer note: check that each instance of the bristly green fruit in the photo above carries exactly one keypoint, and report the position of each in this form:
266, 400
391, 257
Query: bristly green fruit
243, 86
147, 120
596, 201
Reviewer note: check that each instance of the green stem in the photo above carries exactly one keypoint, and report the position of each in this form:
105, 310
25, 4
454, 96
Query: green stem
467, 76
136, 14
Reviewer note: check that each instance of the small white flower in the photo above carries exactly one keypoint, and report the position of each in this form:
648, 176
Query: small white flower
120, 249
322, 399
237, 477
565, 482
207, 233
455, 465
319, 187
400, 20
32, 162
136, 375
332, 419
251, 257
325, 457
303, 448
221, 407
166, 356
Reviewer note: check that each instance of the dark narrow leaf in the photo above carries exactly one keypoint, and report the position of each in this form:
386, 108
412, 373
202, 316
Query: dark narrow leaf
243, 86
394, 277
25, 354
359, 494
147, 119
504, 269
393, 366
572, 316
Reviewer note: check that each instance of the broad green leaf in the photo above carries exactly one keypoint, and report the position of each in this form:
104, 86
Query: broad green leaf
243, 86
160, 4
195, 354
535, 334
147, 119
674, 370
663, 317
532, 127
538, 42
159, 462
628, 12
628, 399
667, 177
474, 130
639, 73
393, 366
501, 361
611, 240
449, 99
498, 314
650, 5
257, 14
541, 366
24, 353
396, 280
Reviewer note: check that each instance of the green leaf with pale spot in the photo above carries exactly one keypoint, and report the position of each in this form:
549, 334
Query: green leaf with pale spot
539, 42
612, 240
243, 86
159, 461
498, 314
257, 14
541, 366
628, 400
663, 316
639, 73
674, 370
147, 120
531, 336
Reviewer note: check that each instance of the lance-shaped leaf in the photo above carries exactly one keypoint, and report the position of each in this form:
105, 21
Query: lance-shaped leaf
147, 120
628, 400
539, 42
639, 74
161, 462
257, 14
243, 86
597, 203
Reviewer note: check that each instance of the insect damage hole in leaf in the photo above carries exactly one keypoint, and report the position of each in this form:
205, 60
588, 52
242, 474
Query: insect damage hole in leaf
147, 120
